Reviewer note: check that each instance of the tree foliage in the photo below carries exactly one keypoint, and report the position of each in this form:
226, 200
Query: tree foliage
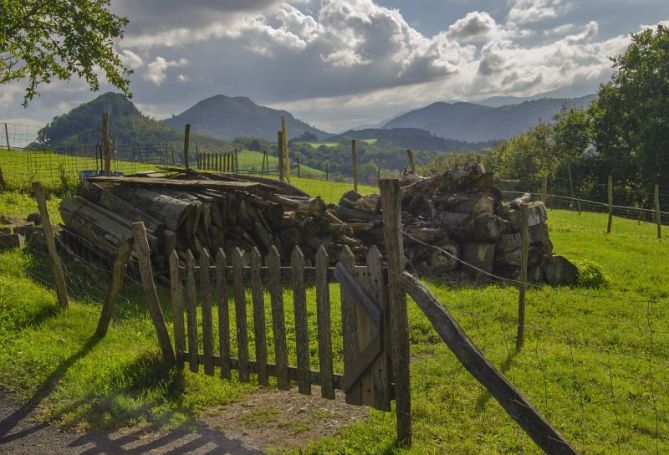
42, 40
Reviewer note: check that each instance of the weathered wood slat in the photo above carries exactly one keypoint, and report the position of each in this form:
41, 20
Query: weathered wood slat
349, 322
240, 314
324, 323
259, 317
218, 184
207, 319
223, 314
278, 320
381, 367
301, 327
191, 312
513, 402
118, 270
176, 294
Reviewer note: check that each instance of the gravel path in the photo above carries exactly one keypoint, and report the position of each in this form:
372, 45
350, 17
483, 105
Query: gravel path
21, 434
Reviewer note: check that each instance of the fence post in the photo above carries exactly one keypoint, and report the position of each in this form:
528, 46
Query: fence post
412, 163
286, 156
571, 188
236, 161
391, 199
146, 272
544, 189
56, 266
610, 191
118, 270
327, 174
280, 156
7, 136
525, 246
186, 144
658, 214
298, 166
105, 143
354, 165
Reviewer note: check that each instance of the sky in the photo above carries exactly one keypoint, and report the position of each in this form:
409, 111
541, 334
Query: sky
339, 64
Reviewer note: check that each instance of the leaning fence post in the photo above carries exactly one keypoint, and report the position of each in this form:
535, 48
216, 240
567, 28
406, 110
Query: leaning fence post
286, 156
7, 136
412, 162
146, 272
279, 143
354, 165
186, 144
105, 143
525, 246
298, 166
391, 199
327, 174
610, 191
658, 214
118, 270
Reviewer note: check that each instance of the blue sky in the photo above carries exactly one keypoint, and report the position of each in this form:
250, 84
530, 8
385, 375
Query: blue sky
344, 63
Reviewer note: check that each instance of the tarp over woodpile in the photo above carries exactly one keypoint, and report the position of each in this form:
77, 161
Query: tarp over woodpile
196, 211
459, 216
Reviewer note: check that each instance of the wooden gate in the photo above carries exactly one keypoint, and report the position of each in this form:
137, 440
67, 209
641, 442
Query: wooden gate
221, 283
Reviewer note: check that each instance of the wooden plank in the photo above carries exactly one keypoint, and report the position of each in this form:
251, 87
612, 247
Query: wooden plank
223, 314
191, 312
301, 327
350, 284
324, 323
56, 266
176, 293
240, 313
146, 272
207, 317
391, 199
513, 402
363, 363
259, 316
214, 184
349, 322
381, 367
118, 270
278, 320
522, 287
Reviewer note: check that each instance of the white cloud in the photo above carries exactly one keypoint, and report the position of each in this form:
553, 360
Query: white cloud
130, 59
475, 27
156, 72
530, 11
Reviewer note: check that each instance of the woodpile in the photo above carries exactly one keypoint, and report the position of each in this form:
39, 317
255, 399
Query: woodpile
196, 211
457, 217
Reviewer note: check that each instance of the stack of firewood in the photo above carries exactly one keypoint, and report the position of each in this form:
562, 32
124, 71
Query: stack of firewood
204, 211
458, 217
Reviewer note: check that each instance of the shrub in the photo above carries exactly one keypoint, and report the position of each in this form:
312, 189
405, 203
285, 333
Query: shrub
590, 275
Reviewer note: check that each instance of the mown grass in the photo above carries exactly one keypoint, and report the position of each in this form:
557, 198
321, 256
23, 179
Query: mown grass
251, 162
595, 361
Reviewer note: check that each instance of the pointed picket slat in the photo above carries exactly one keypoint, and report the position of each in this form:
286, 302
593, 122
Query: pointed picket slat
324, 323
223, 314
349, 323
301, 326
191, 312
278, 319
259, 316
240, 314
207, 319
177, 299
381, 367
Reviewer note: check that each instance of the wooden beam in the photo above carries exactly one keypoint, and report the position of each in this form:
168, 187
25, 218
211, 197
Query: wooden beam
118, 270
524, 251
513, 402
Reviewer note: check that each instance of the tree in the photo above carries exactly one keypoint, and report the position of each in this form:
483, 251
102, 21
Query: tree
631, 115
42, 40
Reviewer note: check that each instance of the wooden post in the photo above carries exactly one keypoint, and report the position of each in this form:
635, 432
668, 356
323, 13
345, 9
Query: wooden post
354, 165
378, 176
544, 189
7, 136
327, 174
571, 188
412, 163
146, 272
658, 215
280, 156
236, 161
56, 266
105, 143
286, 156
118, 270
176, 297
298, 166
525, 247
264, 169
610, 191
391, 199
186, 144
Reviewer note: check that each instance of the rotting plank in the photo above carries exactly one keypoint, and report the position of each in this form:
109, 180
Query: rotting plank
176, 291
301, 326
259, 316
223, 314
278, 319
324, 323
207, 319
240, 314
191, 312
381, 367
349, 322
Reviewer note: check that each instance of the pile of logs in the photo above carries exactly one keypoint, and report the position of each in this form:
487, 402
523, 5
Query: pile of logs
457, 218
197, 211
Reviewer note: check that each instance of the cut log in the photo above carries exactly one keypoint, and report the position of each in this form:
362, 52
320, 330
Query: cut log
479, 255
559, 271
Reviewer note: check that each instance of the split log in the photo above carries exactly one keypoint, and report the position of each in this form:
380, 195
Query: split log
479, 255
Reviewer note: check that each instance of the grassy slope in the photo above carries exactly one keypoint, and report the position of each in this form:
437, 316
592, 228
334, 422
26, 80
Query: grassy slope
119, 380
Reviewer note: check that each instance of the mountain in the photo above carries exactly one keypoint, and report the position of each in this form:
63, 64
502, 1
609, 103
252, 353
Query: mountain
413, 138
228, 117
478, 123
128, 127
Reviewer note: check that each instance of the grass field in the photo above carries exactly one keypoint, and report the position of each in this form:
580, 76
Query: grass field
251, 162
595, 361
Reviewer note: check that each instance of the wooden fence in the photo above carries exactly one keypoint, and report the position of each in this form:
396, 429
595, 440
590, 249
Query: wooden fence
222, 162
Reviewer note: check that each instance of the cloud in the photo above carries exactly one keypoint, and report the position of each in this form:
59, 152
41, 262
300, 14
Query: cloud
130, 59
530, 11
156, 72
475, 27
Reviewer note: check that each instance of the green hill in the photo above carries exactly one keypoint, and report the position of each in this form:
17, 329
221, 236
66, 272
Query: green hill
128, 128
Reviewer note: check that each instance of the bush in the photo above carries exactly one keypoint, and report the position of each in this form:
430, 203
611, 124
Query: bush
590, 275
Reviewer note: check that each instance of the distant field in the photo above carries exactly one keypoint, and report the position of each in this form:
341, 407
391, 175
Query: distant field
251, 162
315, 145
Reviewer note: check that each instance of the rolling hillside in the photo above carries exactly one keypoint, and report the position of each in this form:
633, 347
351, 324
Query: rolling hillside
475, 122
226, 117
414, 138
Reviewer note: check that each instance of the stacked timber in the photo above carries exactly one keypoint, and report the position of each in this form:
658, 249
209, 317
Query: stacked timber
193, 212
457, 218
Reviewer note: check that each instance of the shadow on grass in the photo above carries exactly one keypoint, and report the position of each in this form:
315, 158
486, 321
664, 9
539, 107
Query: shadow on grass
485, 396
